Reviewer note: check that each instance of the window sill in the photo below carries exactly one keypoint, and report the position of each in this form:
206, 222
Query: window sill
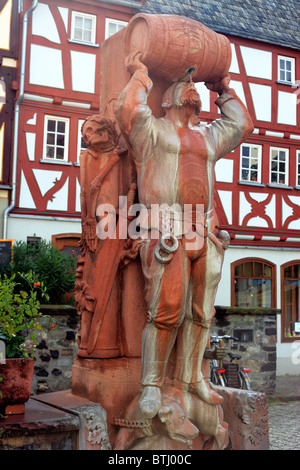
55, 162
78, 164
297, 187
252, 183
288, 339
295, 85
82, 43
278, 185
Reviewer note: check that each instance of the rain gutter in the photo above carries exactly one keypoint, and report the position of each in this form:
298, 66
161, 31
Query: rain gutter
123, 3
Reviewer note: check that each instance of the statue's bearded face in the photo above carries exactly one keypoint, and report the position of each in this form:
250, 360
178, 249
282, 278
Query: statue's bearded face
182, 94
188, 95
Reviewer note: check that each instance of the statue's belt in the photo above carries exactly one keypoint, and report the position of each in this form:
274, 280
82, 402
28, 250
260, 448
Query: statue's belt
177, 223
173, 225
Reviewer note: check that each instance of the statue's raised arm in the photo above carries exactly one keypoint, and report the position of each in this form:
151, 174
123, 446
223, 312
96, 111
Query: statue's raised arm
235, 123
134, 116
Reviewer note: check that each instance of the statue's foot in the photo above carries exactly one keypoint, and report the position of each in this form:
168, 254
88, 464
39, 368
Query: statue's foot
150, 401
205, 393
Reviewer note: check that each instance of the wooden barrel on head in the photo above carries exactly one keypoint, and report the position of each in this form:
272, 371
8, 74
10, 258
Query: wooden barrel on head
170, 44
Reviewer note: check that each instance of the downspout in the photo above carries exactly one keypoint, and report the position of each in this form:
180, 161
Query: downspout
17, 117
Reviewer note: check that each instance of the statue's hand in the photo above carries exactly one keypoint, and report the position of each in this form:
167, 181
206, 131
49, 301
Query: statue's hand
222, 86
133, 63
219, 353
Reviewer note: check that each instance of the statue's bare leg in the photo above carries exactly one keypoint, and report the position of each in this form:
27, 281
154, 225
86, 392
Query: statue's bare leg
194, 333
166, 290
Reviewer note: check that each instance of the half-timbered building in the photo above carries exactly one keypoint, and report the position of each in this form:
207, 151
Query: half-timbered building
257, 185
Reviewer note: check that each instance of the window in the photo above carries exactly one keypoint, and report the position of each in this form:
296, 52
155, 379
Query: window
83, 27
68, 243
33, 241
298, 169
286, 69
278, 166
250, 163
253, 283
290, 285
81, 145
56, 138
113, 26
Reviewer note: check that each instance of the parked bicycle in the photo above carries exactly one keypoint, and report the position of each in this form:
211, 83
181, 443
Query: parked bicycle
226, 374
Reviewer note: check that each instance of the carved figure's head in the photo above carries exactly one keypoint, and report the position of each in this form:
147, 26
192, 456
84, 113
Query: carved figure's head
181, 94
177, 426
99, 133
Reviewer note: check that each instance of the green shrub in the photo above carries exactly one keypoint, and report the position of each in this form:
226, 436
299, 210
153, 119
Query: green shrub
50, 266
19, 315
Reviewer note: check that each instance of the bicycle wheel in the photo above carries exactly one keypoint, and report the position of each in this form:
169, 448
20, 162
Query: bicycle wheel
221, 380
244, 380
214, 377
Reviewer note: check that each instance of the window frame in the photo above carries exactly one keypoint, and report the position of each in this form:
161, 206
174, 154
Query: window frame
117, 22
93, 30
286, 339
79, 140
66, 142
286, 180
297, 168
254, 260
293, 68
259, 166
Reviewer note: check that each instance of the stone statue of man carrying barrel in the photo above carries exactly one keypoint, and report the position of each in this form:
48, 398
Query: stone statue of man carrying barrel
175, 160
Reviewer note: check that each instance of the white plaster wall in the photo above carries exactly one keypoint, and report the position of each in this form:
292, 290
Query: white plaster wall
261, 97
287, 108
257, 63
204, 95
19, 228
25, 199
60, 199
30, 145
234, 66
5, 21
239, 89
46, 66
46, 179
83, 71
77, 200
288, 354
224, 170
43, 23
64, 13
226, 201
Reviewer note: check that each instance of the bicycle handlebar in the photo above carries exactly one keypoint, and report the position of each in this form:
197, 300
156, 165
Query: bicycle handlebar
216, 339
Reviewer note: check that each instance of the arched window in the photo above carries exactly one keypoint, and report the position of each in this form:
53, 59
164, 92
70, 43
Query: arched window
290, 301
253, 283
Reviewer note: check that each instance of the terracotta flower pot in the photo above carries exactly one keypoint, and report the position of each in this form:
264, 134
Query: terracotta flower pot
15, 386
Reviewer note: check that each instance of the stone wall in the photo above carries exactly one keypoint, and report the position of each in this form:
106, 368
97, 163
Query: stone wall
257, 333
56, 349
256, 328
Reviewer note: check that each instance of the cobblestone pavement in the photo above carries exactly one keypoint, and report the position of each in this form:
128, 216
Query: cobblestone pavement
284, 414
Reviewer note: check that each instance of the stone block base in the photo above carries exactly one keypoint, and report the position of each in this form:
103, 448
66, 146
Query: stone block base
111, 382
40, 427
114, 383
96, 415
246, 413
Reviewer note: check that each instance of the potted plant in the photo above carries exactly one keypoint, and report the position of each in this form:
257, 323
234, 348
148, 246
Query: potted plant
19, 320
